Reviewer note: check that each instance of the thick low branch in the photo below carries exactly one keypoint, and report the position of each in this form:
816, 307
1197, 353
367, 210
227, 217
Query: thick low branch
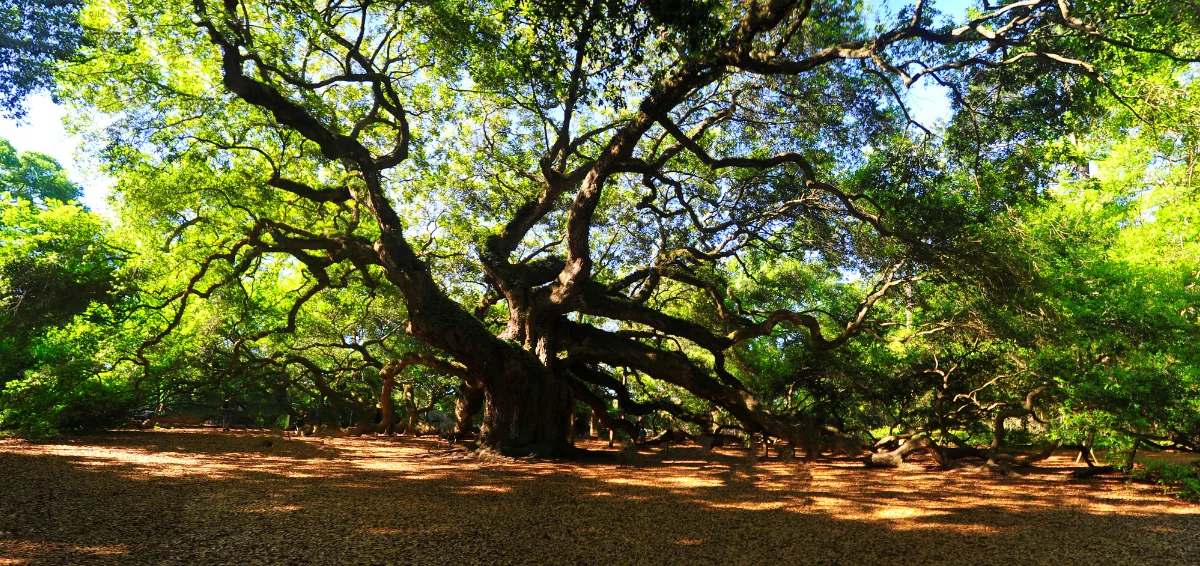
809, 322
596, 300
588, 345
638, 408
600, 409
1026, 408
337, 194
896, 457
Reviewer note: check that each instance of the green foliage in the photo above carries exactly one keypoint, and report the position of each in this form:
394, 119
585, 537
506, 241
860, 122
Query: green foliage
65, 386
34, 177
1182, 481
35, 35
50, 401
54, 265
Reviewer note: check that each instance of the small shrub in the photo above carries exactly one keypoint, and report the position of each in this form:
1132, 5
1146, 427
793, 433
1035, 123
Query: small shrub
1178, 480
1189, 490
44, 404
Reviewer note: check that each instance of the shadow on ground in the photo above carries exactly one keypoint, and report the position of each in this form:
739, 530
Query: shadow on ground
211, 498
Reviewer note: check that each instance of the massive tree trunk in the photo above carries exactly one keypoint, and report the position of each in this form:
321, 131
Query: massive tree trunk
364, 420
1132, 457
528, 411
571, 426
998, 430
527, 407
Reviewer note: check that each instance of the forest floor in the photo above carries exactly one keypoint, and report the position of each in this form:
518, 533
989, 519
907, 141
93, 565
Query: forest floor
205, 497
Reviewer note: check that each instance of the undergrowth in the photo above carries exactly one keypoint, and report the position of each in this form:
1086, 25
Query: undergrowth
1178, 480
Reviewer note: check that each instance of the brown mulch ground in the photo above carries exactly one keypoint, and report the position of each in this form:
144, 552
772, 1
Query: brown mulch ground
203, 497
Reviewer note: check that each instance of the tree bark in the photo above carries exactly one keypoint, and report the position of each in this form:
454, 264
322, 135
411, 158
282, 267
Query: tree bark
1030, 459
410, 406
1129, 460
571, 427
385, 404
467, 404
998, 430
527, 410
1085, 451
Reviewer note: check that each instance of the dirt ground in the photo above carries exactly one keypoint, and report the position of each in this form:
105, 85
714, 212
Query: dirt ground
204, 497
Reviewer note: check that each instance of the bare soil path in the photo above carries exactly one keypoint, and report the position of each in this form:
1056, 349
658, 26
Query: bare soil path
201, 497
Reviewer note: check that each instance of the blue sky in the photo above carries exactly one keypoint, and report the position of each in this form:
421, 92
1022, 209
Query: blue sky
43, 130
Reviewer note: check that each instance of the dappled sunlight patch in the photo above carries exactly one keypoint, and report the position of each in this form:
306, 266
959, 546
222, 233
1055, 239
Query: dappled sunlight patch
32, 551
114, 550
408, 531
487, 489
751, 505
384, 465
1162, 529
157, 464
968, 529
275, 509
421, 476
384, 531
828, 503
901, 513
354, 485
668, 482
1133, 505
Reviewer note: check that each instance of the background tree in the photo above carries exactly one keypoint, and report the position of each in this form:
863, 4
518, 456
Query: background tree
59, 288
34, 177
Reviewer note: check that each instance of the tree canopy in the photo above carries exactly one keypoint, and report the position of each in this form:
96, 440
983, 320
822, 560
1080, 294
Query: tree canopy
710, 215
35, 35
